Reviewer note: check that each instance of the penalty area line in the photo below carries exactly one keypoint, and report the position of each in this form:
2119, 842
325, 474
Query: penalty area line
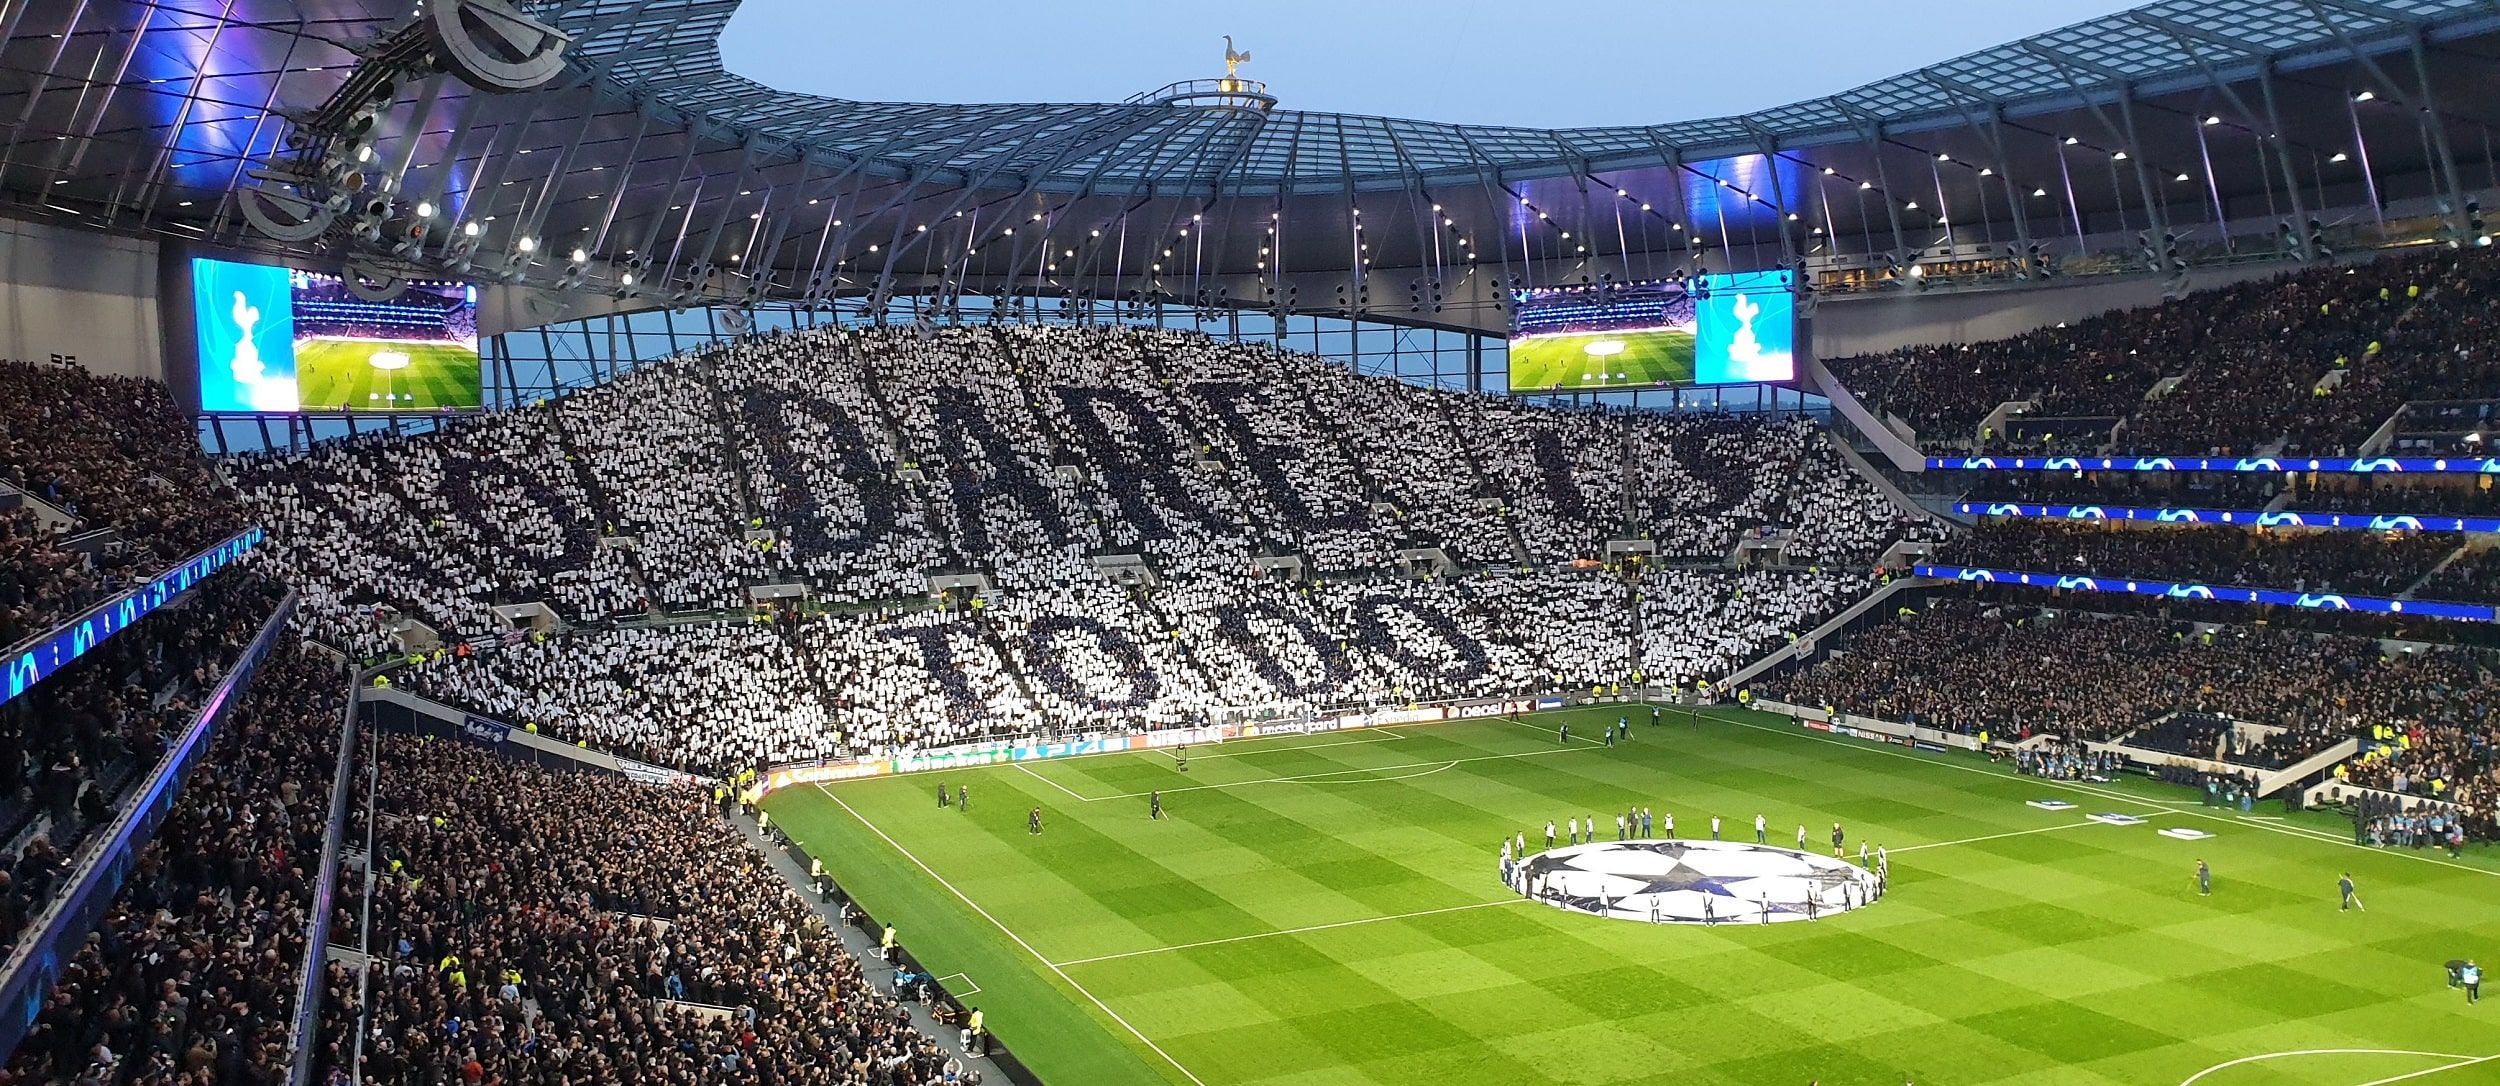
2262, 1057
970, 987
1028, 771
1290, 931
1003, 929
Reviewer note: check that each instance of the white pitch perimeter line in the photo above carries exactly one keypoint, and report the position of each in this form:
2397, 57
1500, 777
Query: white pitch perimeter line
975, 988
1556, 732
1071, 793
2432, 1071
1435, 766
2288, 831
1291, 931
1383, 737
1105, 1008
1999, 836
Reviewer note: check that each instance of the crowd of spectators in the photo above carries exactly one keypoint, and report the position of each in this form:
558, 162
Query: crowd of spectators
2253, 361
71, 747
858, 461
539, 926
188, 980
114, 453
2346, 562
2017, 671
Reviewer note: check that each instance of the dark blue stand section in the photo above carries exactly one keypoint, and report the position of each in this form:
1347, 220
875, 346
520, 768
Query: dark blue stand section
2286, 518
38, 657
2185, 590
97, 873
2337, 465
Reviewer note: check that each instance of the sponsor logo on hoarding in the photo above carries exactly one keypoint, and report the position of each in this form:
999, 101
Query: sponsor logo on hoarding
484, 730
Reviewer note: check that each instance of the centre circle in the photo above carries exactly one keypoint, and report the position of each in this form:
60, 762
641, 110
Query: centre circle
1694, 882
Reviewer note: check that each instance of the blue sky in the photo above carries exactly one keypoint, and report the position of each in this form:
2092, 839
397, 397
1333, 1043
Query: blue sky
1457, 60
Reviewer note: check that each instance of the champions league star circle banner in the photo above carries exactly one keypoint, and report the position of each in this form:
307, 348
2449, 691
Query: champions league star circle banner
1694, 882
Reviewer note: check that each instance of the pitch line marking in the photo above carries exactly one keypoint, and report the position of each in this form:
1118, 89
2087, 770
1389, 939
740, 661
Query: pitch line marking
1028, 771
2262, 1057
1999, 836
1290, 931
1010, 933
1383, 737
971, 989
2433, 1071
2288, 831
1434, 766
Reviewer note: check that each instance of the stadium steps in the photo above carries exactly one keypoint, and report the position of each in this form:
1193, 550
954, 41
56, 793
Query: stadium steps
729, 444
1484, 485
888, 420
601, 503
1858, 462
2436, 569
1813, 640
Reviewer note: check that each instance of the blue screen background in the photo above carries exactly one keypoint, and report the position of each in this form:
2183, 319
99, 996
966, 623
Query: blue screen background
229, 381
1748, 329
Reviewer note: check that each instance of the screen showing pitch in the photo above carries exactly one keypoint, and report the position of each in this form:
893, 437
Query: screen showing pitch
1717, 329
277, 340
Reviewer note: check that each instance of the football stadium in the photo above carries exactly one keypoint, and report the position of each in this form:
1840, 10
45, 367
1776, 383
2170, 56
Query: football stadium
727, 542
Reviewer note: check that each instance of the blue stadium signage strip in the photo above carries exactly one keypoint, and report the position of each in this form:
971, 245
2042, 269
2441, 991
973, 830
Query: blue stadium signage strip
2339, 465
2182, 590
2288, 518
39, 657
96, 874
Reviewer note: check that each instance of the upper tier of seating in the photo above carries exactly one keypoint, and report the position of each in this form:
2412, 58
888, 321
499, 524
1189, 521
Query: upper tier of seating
877, 456
2253, 361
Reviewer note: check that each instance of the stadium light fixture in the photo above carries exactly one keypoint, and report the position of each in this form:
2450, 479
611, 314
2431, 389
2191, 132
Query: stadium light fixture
2339, 156
1865, 185
1911, 206
1792, 216
425, 209
2118, 156
1943, 157
2211, 121
2071, 141
1644, 207
526, 244
2181, 177
2039, 192
1620, 192
1987, 171
580, 257
1828, 171
2365, 96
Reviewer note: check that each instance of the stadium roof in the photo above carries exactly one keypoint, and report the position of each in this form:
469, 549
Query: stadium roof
669, 49
2206, 120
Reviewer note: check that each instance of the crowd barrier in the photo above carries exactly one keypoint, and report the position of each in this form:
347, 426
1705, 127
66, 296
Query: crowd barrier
38, 657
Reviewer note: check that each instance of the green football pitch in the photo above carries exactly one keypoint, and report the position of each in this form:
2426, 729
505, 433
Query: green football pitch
339, 374
1327, 909
1563, 361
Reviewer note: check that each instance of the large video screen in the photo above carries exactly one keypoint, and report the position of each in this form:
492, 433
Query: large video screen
279, 340
1712, 330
